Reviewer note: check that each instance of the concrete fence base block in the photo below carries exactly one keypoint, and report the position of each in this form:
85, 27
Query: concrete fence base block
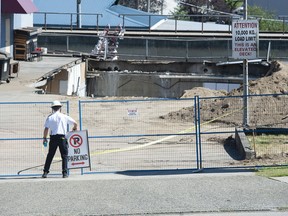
243, 144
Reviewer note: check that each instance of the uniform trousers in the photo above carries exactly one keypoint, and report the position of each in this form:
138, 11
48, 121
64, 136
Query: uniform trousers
55, 141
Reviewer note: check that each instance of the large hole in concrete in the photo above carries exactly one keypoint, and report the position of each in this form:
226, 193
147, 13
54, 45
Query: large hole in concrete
163, 79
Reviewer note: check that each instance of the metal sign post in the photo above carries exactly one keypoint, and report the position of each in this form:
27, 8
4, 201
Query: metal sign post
245, 77
245, 46
245, 94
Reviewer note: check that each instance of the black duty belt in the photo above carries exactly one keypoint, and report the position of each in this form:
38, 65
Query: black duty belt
58, 135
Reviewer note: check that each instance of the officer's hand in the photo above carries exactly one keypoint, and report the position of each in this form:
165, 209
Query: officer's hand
45, 142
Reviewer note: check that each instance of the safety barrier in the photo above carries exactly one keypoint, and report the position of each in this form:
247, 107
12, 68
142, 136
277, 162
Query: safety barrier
265, 128
139, 135
151, 134
21, 135
71, 21
159, 48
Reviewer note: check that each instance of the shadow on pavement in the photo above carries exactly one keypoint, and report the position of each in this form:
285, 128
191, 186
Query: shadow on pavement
184, 171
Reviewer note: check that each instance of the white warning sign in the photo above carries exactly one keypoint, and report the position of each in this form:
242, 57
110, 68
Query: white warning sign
245, 39
78, 149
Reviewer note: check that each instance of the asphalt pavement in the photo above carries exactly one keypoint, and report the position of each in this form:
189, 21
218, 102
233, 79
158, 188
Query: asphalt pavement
235, 193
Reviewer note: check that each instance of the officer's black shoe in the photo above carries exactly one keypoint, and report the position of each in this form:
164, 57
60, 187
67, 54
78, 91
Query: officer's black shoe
45, 175
65, 175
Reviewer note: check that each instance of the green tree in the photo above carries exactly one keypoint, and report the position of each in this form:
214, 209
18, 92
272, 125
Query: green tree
233, 4
208, 6
156, 6
179, 13
267, 21
202, 7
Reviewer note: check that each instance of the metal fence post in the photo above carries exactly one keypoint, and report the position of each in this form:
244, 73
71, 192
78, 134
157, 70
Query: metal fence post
149, 23
67, 43
123, 21
80, 125
67, 109
283, 25
228, 48
97, 23
197, 132
202, 25
80, 114
176, 18
71, 21
187, 51
45, 20
147, 49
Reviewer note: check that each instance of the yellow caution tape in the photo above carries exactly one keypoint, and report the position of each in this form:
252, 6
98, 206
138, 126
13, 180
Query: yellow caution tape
160, 140
153, 142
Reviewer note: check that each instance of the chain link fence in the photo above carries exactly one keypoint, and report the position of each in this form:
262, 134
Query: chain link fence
265, 129
21, 136
139, 135
152, 134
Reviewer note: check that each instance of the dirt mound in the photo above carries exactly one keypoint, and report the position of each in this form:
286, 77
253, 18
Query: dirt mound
263, 110
203, 92
276, 82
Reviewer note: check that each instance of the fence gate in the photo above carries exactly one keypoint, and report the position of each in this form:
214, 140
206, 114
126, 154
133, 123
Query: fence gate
140, 134
21, 135
265, 131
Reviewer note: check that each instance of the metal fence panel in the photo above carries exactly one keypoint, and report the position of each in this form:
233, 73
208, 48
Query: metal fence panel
151, 134
266, 130
21, 134
139, 134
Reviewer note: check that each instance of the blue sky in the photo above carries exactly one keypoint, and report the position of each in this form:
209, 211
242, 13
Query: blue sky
88, 6
69, 6
110, 14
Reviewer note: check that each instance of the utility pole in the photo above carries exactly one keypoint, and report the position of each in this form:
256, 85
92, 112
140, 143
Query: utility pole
245, 81
79, 23
148, 6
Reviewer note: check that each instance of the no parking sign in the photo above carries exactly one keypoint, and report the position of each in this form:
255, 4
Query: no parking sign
78, 149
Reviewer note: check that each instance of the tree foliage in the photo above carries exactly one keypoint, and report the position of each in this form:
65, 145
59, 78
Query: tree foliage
233, 4
209, 8
156, 6
200, 7
266, 19
206, 8
213, 7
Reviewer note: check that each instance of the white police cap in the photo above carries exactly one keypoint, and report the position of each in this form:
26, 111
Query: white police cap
56, 103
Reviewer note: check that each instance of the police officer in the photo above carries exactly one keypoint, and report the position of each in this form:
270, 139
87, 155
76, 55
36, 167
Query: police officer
57, 124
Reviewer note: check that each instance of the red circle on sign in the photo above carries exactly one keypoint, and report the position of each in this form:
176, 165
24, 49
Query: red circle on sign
76, 140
